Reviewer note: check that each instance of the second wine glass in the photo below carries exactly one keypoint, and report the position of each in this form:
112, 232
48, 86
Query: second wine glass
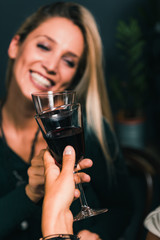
61, 127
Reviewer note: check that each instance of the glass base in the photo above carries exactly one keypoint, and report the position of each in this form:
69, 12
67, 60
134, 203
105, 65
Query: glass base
87, 212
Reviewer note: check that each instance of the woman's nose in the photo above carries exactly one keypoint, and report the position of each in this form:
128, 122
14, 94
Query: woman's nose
51, 65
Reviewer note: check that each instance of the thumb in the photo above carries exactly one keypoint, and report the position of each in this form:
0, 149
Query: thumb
68, 162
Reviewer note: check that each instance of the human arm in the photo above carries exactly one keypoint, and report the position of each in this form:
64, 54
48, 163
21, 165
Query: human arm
59, 194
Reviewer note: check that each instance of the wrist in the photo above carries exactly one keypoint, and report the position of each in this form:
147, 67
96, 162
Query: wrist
59, 222
60, 236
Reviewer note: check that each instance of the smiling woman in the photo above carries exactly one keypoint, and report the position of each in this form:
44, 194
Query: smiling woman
48, 58
58, 48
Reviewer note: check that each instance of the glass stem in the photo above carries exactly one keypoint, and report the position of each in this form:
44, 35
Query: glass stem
82, 197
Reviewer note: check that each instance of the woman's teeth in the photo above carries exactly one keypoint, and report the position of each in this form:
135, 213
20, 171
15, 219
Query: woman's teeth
41, 80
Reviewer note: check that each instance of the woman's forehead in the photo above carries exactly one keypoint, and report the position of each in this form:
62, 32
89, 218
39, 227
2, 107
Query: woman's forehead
61, 31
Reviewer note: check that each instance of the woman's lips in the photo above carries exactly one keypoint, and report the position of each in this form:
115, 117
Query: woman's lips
41, 80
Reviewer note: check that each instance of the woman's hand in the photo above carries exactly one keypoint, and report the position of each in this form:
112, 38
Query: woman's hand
35, 187
59, 193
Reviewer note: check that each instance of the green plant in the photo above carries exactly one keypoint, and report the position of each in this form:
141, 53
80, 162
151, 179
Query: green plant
129, 88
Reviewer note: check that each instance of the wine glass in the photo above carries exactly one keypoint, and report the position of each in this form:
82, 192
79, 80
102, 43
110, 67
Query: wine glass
47, 101
61, 127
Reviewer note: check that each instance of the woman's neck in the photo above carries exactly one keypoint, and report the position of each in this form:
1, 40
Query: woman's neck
19, 111
20, 129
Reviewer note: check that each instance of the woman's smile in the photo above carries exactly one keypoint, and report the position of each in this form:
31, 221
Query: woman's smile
41, 81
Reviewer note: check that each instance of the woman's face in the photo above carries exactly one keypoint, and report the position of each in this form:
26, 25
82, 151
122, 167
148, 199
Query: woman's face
48, 58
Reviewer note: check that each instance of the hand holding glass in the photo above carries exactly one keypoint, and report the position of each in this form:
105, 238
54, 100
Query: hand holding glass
60, 127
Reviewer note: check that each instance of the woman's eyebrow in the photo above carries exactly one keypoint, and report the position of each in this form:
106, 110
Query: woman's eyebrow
73, 55
49, 38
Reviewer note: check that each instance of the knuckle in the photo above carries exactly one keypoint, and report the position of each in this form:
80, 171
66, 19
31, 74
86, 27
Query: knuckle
29, 171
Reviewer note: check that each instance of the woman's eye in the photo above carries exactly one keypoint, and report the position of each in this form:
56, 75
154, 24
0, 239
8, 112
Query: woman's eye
43, 47
70, 63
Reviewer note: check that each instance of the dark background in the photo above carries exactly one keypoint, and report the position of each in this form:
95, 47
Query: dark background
107, 14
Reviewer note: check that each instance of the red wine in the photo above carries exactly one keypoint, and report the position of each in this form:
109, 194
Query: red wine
58, 139
56, 119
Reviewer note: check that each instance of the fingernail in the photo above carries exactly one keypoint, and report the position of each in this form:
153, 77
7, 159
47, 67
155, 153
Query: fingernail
68, 150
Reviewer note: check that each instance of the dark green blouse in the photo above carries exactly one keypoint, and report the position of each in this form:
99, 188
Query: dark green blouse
21, 219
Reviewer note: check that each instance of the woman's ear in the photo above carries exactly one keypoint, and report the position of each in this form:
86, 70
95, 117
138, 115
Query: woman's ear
13, 47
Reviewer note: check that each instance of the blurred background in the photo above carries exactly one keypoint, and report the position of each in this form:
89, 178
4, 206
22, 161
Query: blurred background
130, 31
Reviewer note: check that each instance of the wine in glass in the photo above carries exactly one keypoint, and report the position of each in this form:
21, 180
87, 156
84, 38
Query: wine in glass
61, 127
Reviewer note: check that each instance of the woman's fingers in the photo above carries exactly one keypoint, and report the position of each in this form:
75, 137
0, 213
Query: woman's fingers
83, 164
36, 171
81, 177
76, 194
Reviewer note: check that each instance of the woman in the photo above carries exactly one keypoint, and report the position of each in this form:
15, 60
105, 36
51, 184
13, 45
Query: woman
58, 48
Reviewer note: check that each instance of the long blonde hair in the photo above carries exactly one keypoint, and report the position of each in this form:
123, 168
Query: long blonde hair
89, 81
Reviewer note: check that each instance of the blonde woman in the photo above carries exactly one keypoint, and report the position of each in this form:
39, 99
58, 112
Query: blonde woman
58, 48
